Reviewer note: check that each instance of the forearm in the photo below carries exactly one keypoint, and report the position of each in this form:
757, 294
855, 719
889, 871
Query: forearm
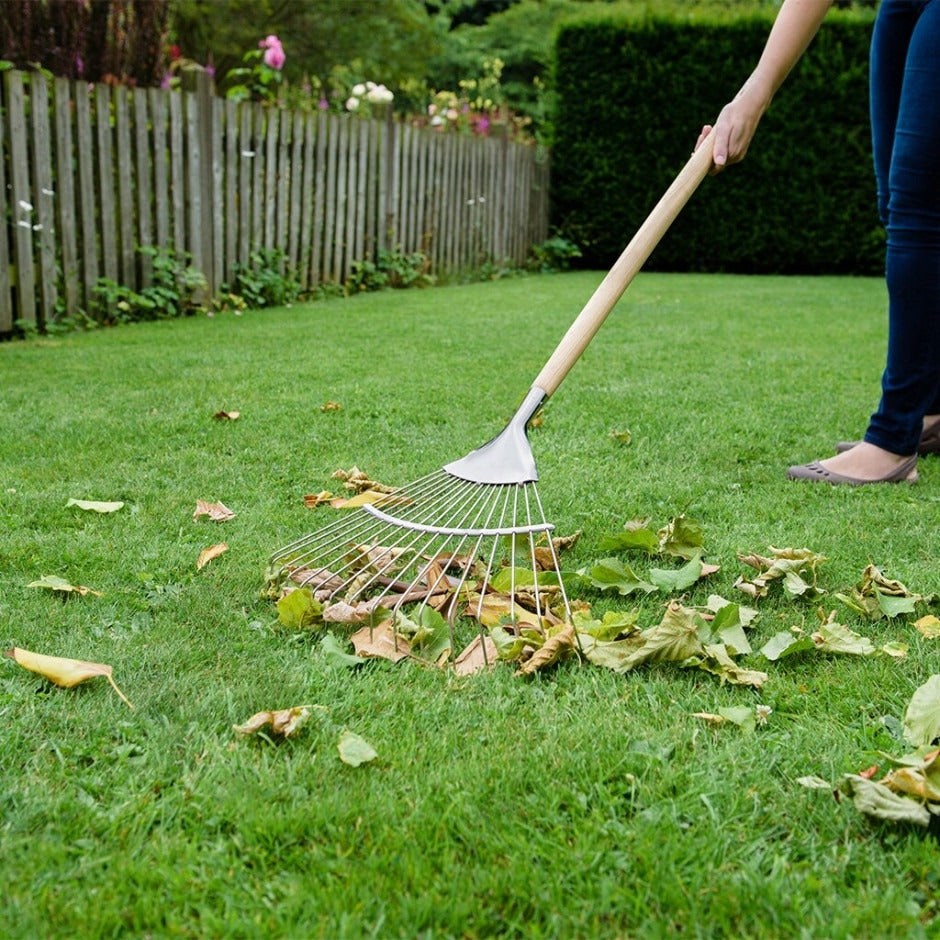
796, 24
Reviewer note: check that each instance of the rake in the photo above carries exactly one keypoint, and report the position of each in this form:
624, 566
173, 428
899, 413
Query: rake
472, 537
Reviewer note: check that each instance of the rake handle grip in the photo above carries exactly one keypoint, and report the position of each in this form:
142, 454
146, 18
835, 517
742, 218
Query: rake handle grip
625, 268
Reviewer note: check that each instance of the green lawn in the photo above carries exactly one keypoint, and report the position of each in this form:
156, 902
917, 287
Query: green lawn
582, 803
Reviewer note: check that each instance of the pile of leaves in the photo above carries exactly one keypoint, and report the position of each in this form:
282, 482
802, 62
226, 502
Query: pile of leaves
521, 617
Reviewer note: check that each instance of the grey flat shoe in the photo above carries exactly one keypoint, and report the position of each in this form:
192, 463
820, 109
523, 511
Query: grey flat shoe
815, 472
929, 443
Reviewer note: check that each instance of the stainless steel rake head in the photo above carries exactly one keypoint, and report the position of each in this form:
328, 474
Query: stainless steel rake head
475, 529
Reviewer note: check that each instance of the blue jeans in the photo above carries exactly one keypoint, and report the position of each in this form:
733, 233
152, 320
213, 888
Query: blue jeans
905, 119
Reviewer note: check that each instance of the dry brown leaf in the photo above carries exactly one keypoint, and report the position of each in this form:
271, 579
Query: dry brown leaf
354, 479
553, 650
284, 722
711, 718
65, 673
215, 511
227, 415
331, 406
312, 500
480, 654
208, 554
380, 642
343, 612
498, 609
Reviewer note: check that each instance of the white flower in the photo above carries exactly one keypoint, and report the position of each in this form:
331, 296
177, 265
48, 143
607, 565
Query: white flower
437, 121
379, 94
762, 713
359, 90
352, 104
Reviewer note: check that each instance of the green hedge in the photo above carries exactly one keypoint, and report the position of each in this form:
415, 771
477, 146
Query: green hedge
631, 97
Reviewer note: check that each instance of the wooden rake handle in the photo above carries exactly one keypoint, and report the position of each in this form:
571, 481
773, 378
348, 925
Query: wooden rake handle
625, 268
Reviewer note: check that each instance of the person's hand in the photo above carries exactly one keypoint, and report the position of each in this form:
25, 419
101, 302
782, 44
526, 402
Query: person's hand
733, 130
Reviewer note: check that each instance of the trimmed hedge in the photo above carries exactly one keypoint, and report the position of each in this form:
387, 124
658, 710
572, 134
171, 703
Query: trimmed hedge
631, 98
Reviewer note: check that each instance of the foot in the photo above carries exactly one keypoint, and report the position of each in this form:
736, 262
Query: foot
864, 463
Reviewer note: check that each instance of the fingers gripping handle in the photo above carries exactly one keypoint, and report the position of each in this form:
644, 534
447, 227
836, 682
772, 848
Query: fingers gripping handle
625, 268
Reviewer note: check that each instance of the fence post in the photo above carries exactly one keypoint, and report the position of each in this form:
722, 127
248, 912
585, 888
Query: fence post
20, 198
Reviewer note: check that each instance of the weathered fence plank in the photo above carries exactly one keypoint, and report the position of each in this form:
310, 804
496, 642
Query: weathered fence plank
21, 199
64, 196
44, 227
6, 295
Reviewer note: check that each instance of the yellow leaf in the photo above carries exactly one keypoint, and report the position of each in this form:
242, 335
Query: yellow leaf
63, 672
312, 500
227, 415
331, 406
284, 722
929, 626
94, 506
360, 499
207, 554
215, 511
53, 582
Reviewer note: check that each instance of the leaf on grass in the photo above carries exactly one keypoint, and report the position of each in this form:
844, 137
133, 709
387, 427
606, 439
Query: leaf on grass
334, 652
637, 536
299, 610
876, 596
683, 537
217, 512
498, 609
355, 750
556, 648
284, 722
312, 500
480, 653
674, 639
833, 637
331, 406
621, 437
365, 498
612, 626
227, 415
876, 800
430, 635
93, 506
64, 672
922, 719
611, 574
673, 581
794, 568
717, 660
812, 782
210, 553
786, 643
52, 582
357, 481
380, 642
928, 626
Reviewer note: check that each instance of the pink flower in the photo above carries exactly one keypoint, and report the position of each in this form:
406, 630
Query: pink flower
273, 52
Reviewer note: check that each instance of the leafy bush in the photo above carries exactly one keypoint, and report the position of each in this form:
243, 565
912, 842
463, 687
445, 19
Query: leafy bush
395, 269
265, 281
177, 289
632, 94
554, 254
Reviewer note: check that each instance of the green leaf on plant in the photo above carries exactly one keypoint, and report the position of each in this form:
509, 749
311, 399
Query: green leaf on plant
355, 750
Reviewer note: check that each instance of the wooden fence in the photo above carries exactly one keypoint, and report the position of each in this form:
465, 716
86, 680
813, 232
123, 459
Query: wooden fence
90, 173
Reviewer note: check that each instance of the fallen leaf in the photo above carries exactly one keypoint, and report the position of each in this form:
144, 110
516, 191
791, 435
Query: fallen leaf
331, 406
227, 415
928, 626
875, 799
363, 498
312, 500
711, 718
52, 582
64, 672
621, 437
284, 722
215, 511
93, 506
794, 568
299, 610
208, 554
479, 654
683, 537
922, 719
553, 650
812, 782
357, 481
380, 642
355, 750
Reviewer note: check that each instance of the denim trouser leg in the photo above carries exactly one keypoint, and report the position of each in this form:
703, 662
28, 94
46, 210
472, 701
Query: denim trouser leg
905, 113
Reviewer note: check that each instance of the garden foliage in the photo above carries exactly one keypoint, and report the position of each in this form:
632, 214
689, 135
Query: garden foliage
632, 95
